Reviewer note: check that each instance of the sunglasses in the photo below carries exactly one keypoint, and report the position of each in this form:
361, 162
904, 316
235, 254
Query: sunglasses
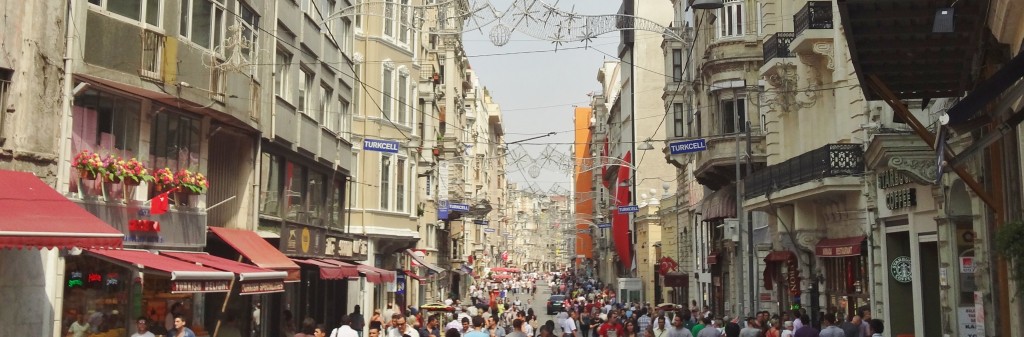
141, 322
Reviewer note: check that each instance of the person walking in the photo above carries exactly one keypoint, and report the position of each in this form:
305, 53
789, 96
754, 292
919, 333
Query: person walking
828, 327
142, 327
180, 328
345, 330
356, 320
678, 328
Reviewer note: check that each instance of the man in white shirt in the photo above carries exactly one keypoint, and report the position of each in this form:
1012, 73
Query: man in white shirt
345, 330
79, 328
569, 325
400, 328
143, 328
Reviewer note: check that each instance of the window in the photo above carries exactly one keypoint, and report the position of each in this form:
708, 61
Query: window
249, 21
335, 211
101, 122
357, 91
344, 118
326, 7
677, 65
152, 54
145, 11
175, 140
403, 22
318, 190
357, 180
734, 116
270, 184
328, 116
202, 22
730, 23
358, 17
400, 184
304, 100
431, 235
403, 99
385, 186
677, 119
295, 189
282, 85
389, 18
386, 90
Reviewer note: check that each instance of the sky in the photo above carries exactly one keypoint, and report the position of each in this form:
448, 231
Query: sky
538, 86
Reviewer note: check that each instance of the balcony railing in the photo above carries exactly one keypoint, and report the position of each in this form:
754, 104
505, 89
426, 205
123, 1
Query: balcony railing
832, 160
814, 15
777, 46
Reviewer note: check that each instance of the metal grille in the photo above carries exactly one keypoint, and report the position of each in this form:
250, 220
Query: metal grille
814, 15
152, 54
831, 160
777, 46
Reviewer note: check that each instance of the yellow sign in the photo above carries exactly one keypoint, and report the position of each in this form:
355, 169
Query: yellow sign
305, 240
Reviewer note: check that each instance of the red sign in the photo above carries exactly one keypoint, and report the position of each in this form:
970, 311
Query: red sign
179, 287
260, 287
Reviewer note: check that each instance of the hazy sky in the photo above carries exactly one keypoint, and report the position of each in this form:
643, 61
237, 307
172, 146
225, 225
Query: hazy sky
537, 87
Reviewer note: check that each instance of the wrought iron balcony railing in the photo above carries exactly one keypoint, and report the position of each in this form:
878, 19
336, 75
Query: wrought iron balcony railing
832, 160
814, 15
777, 46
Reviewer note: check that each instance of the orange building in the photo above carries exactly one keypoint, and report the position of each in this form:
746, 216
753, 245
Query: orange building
584, 183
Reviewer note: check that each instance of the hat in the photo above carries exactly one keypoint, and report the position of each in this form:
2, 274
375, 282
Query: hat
788, 324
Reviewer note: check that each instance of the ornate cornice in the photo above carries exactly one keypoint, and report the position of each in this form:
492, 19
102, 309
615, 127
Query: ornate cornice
920, 168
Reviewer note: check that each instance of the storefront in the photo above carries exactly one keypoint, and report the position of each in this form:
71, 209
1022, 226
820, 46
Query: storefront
781, 278
844, 265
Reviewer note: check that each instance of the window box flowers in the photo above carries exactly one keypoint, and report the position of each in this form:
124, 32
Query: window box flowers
191, 182
164, 179
113, 169
135, 173
89, 164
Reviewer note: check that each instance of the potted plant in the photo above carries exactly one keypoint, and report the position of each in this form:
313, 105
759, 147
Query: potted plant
164, 179
1008, 243
191, 182
113, 169
89, 164
135, 173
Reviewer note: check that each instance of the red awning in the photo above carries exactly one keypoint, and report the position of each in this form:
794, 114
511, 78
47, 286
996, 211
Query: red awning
252, 279
507, 270
330, 271
501, 277
719, 204
841, 247
377, 275
411, 274
779, 256
186, 277
713, 258
676, 280
258, 250
35, 215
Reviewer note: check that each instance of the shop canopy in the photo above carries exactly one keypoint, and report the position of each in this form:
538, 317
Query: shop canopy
419, 260
376, 275
413, 275
37, 216
840, 247
252, 279
331, 271
186, 277
258, 250
506, 270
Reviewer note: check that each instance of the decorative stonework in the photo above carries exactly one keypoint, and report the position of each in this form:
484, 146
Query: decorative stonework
921, 169
825, 49
403, 70
358, 58
807, 239
389, 64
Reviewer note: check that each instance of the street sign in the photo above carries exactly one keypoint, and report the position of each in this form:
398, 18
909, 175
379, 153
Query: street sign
688, 146
481, 222
488, 230
583, 231
629, 209
389, 146
604, 225
458, 207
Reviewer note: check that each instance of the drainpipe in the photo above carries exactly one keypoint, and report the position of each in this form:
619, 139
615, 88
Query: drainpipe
273, 91
64, 144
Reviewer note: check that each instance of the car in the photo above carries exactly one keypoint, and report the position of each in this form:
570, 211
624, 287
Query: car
556, 304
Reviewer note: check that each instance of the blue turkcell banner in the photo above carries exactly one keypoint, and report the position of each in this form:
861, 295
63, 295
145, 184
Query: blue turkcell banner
389, 146
688, 146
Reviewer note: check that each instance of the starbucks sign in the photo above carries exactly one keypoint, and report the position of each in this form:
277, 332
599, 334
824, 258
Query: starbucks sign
900, 269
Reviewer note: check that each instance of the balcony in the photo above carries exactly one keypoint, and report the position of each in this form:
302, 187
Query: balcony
833, 167
812, 24
181, 227
716, 166
777, 46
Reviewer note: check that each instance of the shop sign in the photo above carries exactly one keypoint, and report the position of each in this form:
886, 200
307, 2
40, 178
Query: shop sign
892, 178
979, 313
900, 199
302, 241
766, 297
346, 248
967, 321
379, 145
967, 264
260, 287
900, 269
178, 287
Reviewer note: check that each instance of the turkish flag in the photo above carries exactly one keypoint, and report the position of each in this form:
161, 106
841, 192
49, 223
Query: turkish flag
159, 204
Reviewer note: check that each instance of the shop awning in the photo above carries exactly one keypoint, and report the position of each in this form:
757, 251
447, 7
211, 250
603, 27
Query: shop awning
841, 247
507, 270
779, 256
186, 277
411, 274
330, 271
719, 204
419, 260
258, 250
713, 258
377, 275
37, 216
676, 280
252, 279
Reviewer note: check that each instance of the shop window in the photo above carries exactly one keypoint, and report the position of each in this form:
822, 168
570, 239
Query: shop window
174, 140
295, 192
106, 124
846, 282
94, 288
271, 178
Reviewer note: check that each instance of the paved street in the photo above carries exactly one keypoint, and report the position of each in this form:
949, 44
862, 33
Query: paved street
539, 305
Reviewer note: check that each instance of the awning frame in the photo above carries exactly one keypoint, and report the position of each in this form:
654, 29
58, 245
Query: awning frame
420, 261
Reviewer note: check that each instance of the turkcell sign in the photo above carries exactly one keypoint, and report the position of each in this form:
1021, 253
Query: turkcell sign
389, 146
459, 207
604, 225
629, 209
695, 145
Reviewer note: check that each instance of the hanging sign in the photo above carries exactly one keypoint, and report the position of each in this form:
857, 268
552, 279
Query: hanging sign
688, 146
458, 207
260, 287
388, 146
629, 209
215, 286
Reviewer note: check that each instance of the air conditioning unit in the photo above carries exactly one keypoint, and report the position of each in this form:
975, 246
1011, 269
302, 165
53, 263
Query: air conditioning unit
732, 229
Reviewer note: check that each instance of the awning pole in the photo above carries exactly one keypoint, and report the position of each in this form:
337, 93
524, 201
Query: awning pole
224, 306
886, 94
